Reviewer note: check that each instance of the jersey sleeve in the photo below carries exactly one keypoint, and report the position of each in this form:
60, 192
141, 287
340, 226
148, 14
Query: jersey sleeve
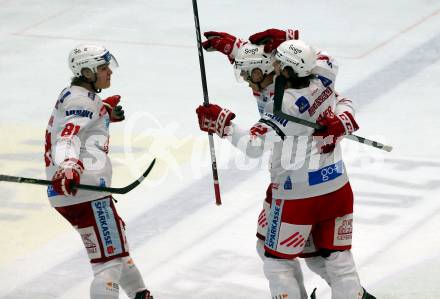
253, 142
326, 66
76, 114
343, 104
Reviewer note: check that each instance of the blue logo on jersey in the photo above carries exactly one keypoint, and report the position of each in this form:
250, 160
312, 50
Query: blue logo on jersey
61, 98
80, 113
326, 174
278, 119
51, 191
303, 104
91, 95
326, 82
65, 96
288, 184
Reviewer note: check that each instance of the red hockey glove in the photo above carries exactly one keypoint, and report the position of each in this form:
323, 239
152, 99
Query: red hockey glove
272, 38
214, 119
222, 42
68, 172
335, 126
114, 110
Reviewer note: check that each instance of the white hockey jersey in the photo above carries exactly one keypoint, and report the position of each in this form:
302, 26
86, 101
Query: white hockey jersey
78, 128
298, 168
263, 97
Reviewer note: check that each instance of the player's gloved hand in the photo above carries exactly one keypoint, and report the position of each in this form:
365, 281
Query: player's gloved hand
272, 38
334, 127
222, 42
214, 119
114, 110
68, 172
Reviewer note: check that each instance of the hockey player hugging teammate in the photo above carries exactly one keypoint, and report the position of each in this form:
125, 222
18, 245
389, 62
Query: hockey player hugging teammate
309, 208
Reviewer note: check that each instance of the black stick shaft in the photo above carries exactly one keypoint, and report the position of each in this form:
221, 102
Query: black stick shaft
16, 179
206, 102
123, 190
278, 99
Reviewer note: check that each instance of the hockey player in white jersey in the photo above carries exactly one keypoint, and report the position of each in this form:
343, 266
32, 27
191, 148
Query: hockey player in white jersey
77, 143
311, 193
254, 64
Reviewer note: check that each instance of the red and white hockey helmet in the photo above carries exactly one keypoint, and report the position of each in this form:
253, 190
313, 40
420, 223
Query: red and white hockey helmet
298, 55
250, 57
90, 56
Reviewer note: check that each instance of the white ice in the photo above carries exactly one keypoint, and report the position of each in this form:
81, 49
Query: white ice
185, 245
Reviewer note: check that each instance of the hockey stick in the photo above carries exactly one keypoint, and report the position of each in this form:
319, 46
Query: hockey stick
123, 190
218, 200
280, 82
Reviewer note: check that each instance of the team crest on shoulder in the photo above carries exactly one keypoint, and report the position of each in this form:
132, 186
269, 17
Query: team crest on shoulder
91, 95
325, 81
303, 104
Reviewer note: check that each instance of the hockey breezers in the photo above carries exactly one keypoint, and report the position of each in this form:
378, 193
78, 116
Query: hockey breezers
280, 82
122, 190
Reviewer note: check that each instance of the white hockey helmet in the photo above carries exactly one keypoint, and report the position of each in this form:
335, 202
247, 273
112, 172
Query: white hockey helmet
250, 57
90, 56
298, 55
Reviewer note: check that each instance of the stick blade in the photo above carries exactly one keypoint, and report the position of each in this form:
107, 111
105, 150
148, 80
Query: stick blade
130, 187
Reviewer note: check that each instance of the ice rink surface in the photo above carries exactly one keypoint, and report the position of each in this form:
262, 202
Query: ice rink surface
185, 245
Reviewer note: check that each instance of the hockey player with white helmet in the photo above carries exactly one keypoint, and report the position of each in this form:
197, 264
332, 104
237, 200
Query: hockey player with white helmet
254, 66
312, 199
77, 143
249, 61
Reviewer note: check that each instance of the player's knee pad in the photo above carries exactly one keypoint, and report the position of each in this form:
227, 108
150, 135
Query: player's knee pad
105, 283
131, 279
282, 280
317, 265
344, 279
293, 265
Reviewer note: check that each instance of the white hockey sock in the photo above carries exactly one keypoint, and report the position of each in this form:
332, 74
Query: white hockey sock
131, 279
317, 265
105, 282
281, 276
294, 266
344, 279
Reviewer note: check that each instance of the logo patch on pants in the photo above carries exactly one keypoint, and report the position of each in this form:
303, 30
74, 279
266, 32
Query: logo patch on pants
90, 240
343, 230
107, 226
274, 224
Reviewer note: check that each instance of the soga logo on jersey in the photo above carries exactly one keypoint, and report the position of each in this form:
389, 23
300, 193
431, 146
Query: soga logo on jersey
107, 226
